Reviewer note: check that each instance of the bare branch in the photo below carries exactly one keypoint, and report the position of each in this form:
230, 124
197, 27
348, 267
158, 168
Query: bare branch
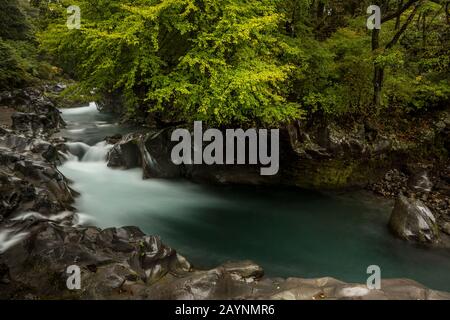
394, 15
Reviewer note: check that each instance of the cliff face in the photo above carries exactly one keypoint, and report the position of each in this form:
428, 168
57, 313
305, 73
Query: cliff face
319, 156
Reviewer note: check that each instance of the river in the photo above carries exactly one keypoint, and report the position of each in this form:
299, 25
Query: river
289, 232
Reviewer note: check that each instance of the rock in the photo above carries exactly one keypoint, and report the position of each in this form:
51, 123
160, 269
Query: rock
113, 139
108, 257
244, 270
30, 180
152, 152
127, 153
59, 87
441, 125
153, 260
412, 220
4, 274
29, 122
420, 182
156, 149
78, 149
445, 227
124, 263
36, 113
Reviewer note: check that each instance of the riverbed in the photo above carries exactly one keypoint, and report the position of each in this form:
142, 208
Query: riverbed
288, 231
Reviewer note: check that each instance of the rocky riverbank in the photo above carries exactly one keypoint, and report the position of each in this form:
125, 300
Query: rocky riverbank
124, 263
415, 171
41, 235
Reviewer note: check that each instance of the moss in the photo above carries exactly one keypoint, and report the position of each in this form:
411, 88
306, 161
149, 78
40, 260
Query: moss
339, 173
334, 174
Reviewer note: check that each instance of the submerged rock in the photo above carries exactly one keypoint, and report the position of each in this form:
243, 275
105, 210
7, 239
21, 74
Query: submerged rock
412, 220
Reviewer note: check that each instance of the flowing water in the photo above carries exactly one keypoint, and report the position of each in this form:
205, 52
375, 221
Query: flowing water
289, 232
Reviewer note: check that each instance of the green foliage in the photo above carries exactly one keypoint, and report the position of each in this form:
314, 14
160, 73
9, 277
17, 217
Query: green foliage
344, 84
219, 61
10, 71
14, 23
419, 75
247, 62
20, 63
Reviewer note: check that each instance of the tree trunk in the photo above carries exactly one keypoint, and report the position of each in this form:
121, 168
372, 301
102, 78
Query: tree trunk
377, 85
399, 7
320, 10
378, 75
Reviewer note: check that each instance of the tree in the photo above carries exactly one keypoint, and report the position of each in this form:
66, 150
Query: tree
378, 76
20, 64
14, 24
243, 62
218, 61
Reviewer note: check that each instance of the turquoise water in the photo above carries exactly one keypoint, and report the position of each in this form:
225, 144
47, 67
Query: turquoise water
289, 232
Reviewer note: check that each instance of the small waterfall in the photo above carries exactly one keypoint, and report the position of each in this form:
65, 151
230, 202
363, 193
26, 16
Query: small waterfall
9, 238
78, 149
91, 108
97, 153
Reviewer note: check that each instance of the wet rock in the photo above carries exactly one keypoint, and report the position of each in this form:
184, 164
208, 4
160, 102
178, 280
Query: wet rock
412, 220
107, 257
14, 193
113, 139
445, 227
29, 122
59, 87
36, 113
392, 184
78, 149
127, 153
4, 274
123, 263
156, 149
153, 260
420, 182
244, 270
151, 151
30, 180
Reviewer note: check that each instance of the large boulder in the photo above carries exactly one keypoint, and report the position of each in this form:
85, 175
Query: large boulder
126, 153
32, 122
29, 178
152, 150
412, 220
36, 114
108, 258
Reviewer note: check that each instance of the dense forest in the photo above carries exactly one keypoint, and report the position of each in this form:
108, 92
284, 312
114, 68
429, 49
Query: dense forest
236, 62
